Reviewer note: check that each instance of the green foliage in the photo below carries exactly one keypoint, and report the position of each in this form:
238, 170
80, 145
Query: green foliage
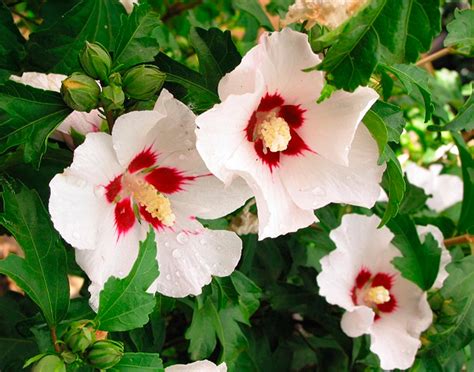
421, 260
385, 31
28, 116
138, 362
461, 32
42, 273
463, 120
394, 185
253, 8
124, 303
56, 47
12, 50
218, 315
216, 52
137, 40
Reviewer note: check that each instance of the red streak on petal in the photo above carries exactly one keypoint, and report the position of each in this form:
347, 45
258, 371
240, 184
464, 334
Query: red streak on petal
113, 189
155, 222
167, 180
354, 295
272, 159
388, 307
124, 216
362, 278
270, 101
383, 279
144, 159
293, 115
296, 146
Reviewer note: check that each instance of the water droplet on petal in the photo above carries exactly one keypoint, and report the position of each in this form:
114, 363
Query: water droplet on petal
176, 253
168, 277
182, 238
178, 274
202, 242
188, 143
167, 244
182, 157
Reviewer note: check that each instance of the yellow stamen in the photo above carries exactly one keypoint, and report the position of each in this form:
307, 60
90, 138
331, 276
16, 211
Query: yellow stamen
275, 133
377, 295
155, 203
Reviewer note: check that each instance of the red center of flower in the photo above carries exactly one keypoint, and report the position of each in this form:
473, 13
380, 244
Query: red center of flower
273, 129
141, 192
374, 292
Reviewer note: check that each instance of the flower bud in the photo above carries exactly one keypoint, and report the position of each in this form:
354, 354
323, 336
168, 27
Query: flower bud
112, 97
95, 61
80, 92
49, 363
142, 82
79, 336
105, 354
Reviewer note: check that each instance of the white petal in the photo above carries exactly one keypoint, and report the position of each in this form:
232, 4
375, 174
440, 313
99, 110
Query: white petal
445, 256
221, 131
77, 208
277, 213
314, 182
128, 4
330, 126
112, 256
82, 122
199, 366
207, 197
356, 239
188, 260
40, 80
95, 160
395, 336
357, 322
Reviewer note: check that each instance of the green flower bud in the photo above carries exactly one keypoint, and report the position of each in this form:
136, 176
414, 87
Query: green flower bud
104, 354
95, 61
142, 82
112, 97
49, 363
80, 92
79, 336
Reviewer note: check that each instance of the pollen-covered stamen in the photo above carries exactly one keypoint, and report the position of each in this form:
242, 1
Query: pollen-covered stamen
148, 196
377, 295
274, 132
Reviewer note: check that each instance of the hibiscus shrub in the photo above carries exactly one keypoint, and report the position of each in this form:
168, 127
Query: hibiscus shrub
236, 185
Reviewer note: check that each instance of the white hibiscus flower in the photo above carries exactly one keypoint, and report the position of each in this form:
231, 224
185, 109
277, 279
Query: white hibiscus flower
359, 277
295, 154
199, 366
445, 190
147, 173
128, 4
81, 122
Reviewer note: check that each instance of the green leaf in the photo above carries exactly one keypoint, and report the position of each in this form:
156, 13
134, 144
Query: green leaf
186, 84
12, 49
137, 41
394, 185
28, 116
461, 32
466, 220
454, 325
414, 199
421, 260
254, 8
392, 117
377, 129
42, 274
415, 81
14, 348
56, 48
139, 362
216, 52
384, 31
463, 120
124, 303
218, 315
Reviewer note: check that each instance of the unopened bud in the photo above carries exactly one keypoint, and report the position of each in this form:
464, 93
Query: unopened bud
142, 82
79, 336
104, 354
49, 363
80, 92
112, 97
95, 61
